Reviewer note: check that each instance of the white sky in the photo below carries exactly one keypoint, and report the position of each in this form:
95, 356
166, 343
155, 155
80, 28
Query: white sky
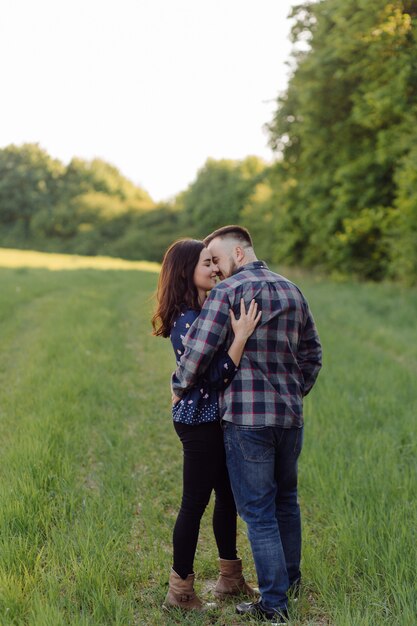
153, 86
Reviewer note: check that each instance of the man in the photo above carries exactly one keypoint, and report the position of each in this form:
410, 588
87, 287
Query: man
262, 408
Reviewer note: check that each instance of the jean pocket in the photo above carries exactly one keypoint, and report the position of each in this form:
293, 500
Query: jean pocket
256, 444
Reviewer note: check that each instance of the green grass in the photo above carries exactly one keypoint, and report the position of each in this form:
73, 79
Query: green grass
91, 467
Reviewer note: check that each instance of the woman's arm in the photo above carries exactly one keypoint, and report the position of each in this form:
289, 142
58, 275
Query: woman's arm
224, 365
180, 329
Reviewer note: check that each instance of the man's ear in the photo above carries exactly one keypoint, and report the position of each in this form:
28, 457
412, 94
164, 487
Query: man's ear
239, 254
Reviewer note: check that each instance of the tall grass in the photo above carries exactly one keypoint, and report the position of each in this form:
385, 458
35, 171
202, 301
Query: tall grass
91, 467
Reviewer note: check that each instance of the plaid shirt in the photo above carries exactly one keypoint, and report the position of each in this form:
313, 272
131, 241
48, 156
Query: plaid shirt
282, 358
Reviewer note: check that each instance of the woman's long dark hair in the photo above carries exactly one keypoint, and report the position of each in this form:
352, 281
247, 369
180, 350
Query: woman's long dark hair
176, 287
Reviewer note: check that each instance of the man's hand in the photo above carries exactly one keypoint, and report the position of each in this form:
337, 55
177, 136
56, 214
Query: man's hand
175, 399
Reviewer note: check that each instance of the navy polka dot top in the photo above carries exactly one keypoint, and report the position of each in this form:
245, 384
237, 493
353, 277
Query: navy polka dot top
200, 404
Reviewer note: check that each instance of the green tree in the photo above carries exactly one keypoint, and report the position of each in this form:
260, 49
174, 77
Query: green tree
82, 207
404, 243
341, 130
261, 211
106, 178
29, 182
219, 194
149, 234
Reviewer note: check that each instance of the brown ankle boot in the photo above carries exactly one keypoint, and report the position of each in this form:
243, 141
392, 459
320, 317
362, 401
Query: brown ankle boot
181, 593
231, 581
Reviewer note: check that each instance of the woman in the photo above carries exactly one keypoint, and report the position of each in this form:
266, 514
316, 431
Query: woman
187, 273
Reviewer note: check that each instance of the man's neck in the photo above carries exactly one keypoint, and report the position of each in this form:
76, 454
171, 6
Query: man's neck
246, 260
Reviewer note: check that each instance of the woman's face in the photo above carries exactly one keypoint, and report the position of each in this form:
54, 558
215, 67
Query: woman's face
205, 271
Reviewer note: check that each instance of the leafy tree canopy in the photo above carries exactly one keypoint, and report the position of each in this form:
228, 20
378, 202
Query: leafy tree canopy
344, 129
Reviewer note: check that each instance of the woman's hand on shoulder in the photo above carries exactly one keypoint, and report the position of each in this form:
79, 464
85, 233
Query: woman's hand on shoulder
246, 324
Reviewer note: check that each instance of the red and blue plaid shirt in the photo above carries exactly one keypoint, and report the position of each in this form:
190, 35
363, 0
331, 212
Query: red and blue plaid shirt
282, 358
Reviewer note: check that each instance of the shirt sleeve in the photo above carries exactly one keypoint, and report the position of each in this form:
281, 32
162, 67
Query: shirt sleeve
180, 329
221, 370
204, 338
309, 353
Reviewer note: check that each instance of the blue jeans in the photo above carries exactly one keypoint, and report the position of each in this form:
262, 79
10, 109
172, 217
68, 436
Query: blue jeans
262, 464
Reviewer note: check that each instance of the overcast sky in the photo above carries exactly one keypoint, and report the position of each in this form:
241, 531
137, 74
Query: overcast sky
153, 86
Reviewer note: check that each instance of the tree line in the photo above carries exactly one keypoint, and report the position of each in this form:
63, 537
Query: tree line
89, 207
346, 130
341, 194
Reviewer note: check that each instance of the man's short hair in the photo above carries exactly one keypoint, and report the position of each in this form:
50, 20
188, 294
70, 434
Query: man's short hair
240, 233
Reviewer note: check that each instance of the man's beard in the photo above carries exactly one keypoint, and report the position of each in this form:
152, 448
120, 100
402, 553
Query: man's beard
232, 269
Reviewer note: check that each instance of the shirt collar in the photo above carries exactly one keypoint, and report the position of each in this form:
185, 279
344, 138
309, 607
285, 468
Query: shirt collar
255, 265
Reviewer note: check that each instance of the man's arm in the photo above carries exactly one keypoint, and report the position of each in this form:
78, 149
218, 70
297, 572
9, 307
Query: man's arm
309, 353
205, 336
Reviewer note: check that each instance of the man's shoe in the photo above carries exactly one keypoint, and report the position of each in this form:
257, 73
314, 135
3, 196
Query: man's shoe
256, 610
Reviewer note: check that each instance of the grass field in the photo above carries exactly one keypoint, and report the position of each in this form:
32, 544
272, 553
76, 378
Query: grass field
91, 467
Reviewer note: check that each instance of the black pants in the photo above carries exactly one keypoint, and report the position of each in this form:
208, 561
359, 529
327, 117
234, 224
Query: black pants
204, 470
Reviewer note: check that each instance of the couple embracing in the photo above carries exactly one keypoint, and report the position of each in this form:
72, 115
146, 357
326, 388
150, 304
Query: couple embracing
247, 353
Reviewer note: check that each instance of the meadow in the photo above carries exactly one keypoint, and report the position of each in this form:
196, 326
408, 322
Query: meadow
91, 466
